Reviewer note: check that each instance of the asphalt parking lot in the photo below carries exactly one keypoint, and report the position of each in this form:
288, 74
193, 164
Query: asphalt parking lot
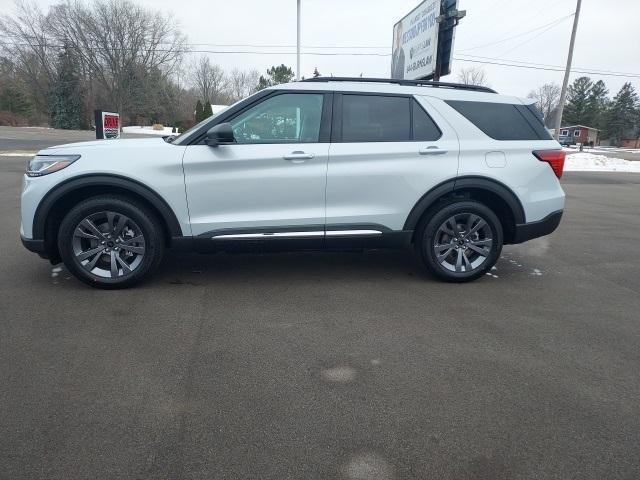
331, 366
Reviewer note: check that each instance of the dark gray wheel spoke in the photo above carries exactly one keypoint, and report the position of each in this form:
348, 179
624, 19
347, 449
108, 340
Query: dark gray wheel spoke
481, 224
89, 253
129, 241
467, 263
470, 221
481, 251
132, 248
110, 217
81, 233
114, 265
453, 225
122, 221
459, 261
444, 255
486, 242
123, 264
100, 248
92, 263
447, 246
88, 224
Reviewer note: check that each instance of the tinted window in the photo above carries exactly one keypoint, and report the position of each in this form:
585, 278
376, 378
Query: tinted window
502, 121
286, 118
372, 118
424, 129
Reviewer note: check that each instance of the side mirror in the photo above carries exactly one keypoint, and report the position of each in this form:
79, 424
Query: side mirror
221, 134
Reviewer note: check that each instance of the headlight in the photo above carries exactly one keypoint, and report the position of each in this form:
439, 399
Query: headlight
46, 164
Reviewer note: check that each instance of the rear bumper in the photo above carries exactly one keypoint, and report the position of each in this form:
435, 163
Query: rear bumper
527, 231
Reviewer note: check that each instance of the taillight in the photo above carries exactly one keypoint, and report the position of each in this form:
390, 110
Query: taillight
555, 158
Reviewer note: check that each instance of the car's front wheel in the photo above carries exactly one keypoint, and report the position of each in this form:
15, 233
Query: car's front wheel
461, 241
110, 242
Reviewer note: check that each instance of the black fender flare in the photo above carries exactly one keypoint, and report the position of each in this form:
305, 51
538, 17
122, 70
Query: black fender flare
103, 180
465, 183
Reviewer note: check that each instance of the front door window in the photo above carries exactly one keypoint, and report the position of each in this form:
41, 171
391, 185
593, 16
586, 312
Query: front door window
285, 118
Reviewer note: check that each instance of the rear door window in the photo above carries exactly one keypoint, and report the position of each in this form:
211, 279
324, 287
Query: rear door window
376, 118
502, 121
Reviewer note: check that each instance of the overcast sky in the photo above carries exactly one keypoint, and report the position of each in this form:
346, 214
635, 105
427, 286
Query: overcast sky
608, 35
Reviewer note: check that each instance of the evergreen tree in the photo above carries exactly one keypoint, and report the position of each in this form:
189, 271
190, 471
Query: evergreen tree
622, 118
199, 112
316, 73
597, 103
276, 76
207, 111
67, 110
13, 99
576, 111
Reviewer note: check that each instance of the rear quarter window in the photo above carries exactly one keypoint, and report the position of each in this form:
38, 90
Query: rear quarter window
502, 121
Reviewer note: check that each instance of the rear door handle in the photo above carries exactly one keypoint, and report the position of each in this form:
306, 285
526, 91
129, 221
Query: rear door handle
298, 156
432, 151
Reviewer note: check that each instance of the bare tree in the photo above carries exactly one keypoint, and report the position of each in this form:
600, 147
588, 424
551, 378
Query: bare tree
31, 49
118, 42
473, 76
242, 84
209, 81
547, 98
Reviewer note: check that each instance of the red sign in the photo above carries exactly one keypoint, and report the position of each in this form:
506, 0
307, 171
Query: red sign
111, 121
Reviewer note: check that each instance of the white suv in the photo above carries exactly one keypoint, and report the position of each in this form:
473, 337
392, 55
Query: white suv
454, 171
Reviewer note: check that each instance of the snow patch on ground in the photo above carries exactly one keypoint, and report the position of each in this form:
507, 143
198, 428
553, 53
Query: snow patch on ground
17, 154
148, 130
589, 162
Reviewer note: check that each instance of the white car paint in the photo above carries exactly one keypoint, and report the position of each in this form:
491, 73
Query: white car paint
252, 186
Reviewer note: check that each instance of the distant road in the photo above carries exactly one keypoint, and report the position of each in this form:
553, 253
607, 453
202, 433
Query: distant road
37, 138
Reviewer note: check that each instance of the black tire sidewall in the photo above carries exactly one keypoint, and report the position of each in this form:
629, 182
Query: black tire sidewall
148, 224
429, 230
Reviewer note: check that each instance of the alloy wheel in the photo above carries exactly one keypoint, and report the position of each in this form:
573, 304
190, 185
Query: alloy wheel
108, 244
463, 243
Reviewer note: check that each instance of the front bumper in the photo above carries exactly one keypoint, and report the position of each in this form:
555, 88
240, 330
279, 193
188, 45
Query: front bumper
36, 246
528, 231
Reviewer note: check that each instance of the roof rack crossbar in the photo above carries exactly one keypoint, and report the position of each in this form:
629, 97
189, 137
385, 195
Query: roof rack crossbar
412, 83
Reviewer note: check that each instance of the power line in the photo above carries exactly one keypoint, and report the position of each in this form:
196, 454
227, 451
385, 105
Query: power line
593, 70
249, 45
511, 49
557, 20
560, 69
475, 59
161, 50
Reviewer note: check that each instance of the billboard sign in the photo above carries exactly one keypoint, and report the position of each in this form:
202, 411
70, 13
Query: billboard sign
415, 43
107, 125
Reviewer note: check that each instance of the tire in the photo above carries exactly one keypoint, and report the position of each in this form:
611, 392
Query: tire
449, 252
111, 242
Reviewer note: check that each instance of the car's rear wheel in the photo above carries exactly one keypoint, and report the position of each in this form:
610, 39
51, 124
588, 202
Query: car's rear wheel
110, 242
461, 241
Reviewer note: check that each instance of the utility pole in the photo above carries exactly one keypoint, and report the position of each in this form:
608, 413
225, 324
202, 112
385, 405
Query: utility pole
298, 45
565, 83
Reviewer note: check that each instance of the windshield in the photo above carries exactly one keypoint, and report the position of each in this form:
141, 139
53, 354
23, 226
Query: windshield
177, 140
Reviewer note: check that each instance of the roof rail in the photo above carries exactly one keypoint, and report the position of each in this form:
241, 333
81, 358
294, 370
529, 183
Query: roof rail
411, 83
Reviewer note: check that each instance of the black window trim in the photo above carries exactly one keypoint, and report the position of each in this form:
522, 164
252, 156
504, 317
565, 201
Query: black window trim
250, 102
336, 129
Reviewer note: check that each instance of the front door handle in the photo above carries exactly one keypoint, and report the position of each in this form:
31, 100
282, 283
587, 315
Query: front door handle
432, 151
298, 156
